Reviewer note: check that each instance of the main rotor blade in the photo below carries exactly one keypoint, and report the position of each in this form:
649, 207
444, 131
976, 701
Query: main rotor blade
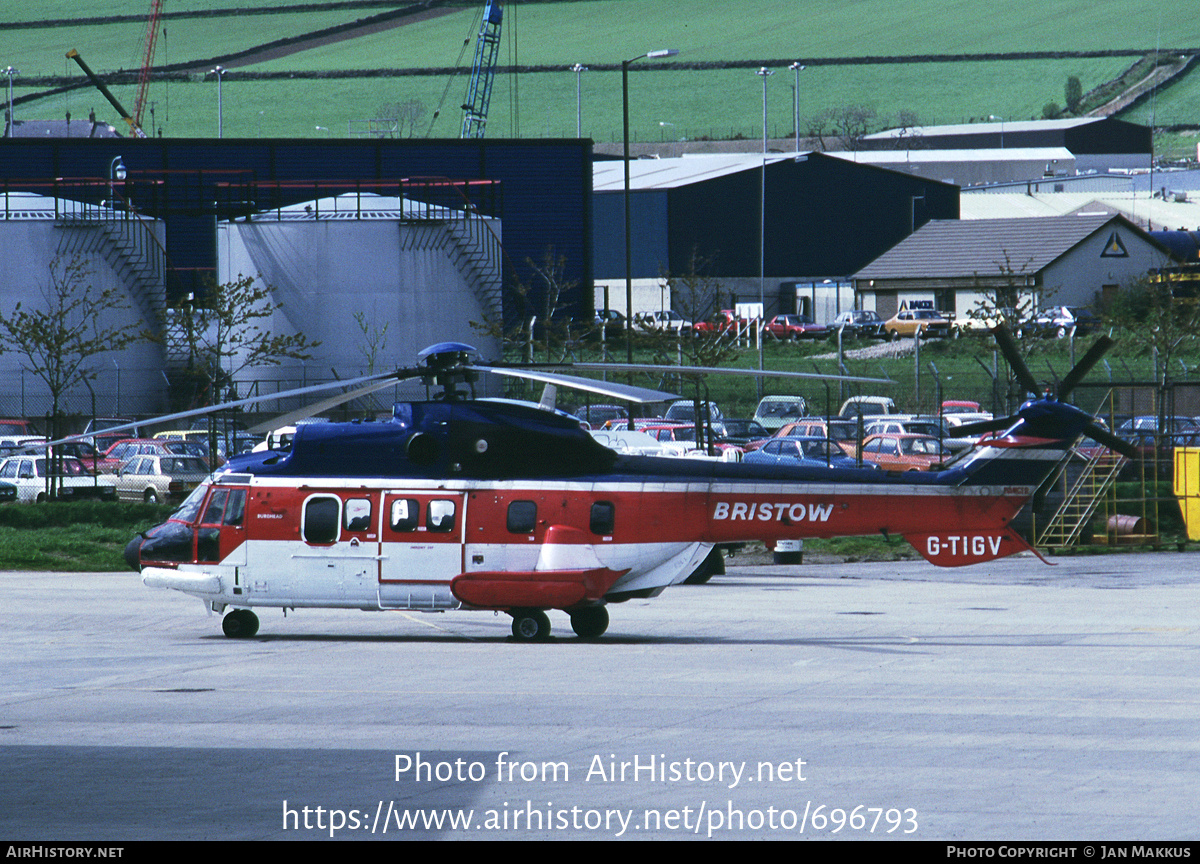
211, 409
1008, 347
626, 392
290, 418
718, 370
970, 430
1090, 359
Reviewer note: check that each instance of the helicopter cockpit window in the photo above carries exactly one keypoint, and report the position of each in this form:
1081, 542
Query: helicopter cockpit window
603, 517
321, 519
235, 510
403, 515
522, 517
357, 514
440, 516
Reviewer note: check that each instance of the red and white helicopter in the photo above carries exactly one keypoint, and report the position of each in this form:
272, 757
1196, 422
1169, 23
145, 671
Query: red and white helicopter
494, 505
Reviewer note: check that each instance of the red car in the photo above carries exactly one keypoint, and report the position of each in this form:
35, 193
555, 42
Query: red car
725, 321
794, 327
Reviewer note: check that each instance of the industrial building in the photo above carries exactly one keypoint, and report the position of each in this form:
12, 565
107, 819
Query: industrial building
1097, 143
420, 249
822, 219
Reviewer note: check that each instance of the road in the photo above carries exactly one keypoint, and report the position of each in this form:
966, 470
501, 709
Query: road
1011, 700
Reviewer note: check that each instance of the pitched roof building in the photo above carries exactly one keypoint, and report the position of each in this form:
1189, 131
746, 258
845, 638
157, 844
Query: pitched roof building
959, 264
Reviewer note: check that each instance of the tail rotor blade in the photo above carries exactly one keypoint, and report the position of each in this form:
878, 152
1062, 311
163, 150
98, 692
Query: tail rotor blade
1090, 359
1008, 347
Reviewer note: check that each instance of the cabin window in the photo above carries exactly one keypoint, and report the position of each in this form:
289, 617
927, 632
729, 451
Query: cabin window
403, 514
440, 516
357, 514
522, 517
321, 519
603, 517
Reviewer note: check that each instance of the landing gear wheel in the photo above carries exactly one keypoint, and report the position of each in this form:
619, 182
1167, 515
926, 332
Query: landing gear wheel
240, 624
711, 566
589, 622
530, 624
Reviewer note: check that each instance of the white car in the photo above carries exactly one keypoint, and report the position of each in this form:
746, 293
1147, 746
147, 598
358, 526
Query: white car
667, 319
28, 474
160, 478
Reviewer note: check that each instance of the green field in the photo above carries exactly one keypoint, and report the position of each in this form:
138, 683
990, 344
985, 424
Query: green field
669, 99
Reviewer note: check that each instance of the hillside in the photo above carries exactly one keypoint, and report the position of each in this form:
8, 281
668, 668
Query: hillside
314, 69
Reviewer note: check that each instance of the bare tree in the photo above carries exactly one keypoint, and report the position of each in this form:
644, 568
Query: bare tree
58, 340
227, 333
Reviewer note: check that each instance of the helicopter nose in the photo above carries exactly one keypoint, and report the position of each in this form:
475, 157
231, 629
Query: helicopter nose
133, 553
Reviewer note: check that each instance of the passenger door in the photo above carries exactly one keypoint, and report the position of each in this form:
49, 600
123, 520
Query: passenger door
420, 548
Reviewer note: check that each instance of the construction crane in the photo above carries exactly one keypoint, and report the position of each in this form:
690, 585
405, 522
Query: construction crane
152, 22
112, 100
479, 91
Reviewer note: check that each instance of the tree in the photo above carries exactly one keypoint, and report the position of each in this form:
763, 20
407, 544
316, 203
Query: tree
1156, 315
57, 342
1073, 93
228, 332
541, 327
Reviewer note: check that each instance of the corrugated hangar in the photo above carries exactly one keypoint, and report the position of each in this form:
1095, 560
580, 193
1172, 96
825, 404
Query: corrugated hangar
1097, 143
823, 219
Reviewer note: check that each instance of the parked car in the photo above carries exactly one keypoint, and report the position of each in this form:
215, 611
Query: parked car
741, 431
808, 450
926, 323
612, 321
867, 406
684, 411
795, 327
961, 406
101, 439
29, 475
725, 321
842, 432
8, 493
902, 452
160, 478
858, 324
118, 453
918, 424
1057, 321
664, 320
773, 411
597, 415
14, 426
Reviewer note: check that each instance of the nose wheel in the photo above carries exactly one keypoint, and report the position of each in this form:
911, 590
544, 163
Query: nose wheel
240, 624
530, 624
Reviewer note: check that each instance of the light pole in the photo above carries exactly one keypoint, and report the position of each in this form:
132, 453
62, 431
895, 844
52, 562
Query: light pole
763, 73
116, 171
797, 68
625, 64
578, 69
220, 71
10, 72
1001, 119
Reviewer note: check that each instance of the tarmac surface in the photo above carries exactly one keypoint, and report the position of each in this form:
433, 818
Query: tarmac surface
1005, 701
